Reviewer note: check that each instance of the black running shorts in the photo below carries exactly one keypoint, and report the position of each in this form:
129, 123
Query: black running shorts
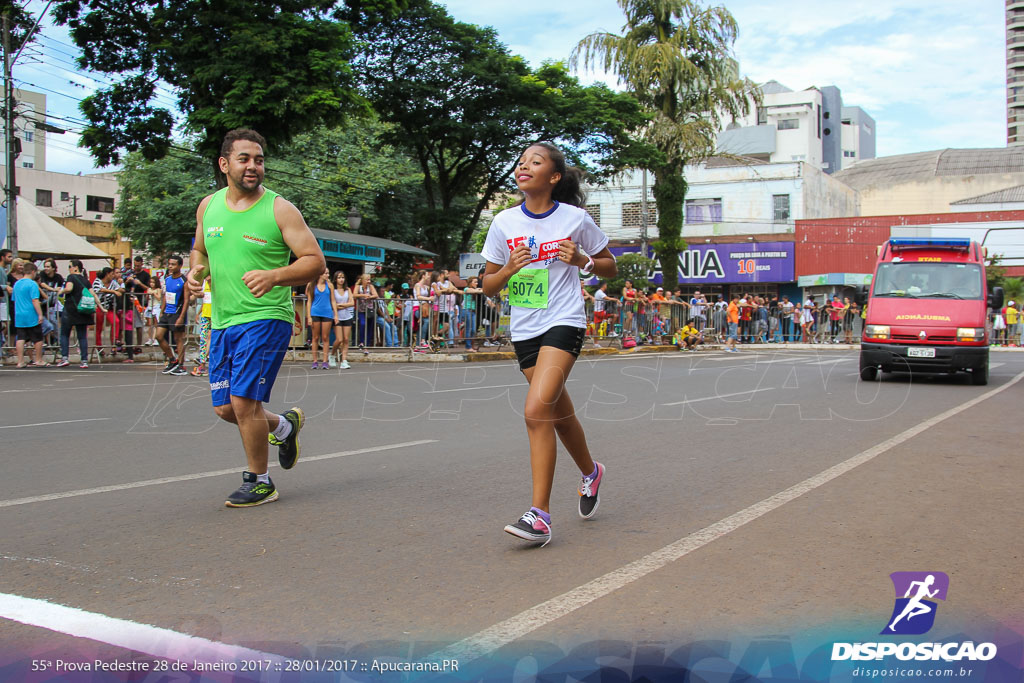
562, 337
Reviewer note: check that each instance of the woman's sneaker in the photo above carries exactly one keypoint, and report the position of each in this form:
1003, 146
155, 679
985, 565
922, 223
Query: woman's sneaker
252, 492
344, 365
531, 527
63, 363
588, 493
83, 365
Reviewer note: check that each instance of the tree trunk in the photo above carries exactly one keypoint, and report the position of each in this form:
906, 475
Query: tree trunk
669, 193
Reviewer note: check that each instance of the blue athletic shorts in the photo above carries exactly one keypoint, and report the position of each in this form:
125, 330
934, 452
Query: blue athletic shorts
245, 359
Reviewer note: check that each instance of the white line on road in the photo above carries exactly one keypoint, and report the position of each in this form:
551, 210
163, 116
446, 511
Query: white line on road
151, 640
58, 422
97, 386
493, 386
713, 398
515, 627
833, 360
198, 475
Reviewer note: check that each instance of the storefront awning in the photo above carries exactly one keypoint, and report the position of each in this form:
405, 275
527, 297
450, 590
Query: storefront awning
355, 247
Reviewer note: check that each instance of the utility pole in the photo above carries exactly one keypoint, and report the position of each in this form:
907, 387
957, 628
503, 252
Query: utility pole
11, 196
643, 215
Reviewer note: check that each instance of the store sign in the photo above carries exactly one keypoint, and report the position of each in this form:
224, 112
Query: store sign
471, 265
731, 263
348, 250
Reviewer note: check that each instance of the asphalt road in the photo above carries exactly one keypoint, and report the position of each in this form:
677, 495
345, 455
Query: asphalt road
388, 537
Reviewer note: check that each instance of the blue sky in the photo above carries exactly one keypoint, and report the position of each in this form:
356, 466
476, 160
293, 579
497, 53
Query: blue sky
929, 72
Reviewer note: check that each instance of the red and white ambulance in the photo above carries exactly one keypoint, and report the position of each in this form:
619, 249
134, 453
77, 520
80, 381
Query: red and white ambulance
927, 309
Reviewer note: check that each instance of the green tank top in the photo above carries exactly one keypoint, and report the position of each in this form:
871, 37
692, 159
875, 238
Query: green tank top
237, 242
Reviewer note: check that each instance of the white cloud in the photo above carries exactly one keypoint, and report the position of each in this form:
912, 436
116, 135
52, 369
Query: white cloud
931, 73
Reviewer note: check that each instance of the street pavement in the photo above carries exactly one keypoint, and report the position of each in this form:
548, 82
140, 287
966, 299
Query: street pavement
766, 492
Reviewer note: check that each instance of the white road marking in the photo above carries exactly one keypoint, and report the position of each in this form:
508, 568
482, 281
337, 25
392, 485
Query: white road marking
198, 475
58, 422
493, 386
515, 627
713, 398
151, 640
96, 386
833, 360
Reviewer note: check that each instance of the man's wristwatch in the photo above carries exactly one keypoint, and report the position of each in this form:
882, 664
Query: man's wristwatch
587, 269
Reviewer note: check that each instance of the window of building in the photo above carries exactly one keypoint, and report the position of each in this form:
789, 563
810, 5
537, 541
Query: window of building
849, 153
704, 210
799, 157
44, 198
827, 114
632, 215
762, 116
27, 161
780, 208
846, 122
819, 121
595, 212
788, 124
27, 135
65, 196
102, 204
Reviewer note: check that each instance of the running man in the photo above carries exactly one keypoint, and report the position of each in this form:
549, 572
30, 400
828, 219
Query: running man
245, 236
915, 607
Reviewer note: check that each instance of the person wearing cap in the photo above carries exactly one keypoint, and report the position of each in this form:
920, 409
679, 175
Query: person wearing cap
1011, 314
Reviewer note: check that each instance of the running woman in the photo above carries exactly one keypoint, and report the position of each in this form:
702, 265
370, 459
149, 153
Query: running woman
321, 316
245, 236
535, 249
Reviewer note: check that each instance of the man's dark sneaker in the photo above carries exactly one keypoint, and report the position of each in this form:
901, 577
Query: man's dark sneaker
288, 448
178, 371
251, 493
588, 493
169, 368
531, 527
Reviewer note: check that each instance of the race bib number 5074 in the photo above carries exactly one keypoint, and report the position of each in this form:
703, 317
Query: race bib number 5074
529, 288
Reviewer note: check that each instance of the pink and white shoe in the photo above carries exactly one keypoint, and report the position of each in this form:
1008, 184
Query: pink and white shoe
531, 527
588, 492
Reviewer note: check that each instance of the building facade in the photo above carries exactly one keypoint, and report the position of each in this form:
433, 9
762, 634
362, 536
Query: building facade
1014, 72
91, 196
929, 182
30, 128
858, 136
788, 125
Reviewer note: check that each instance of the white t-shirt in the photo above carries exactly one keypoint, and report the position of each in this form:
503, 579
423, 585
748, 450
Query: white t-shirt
542, 233
697, 306
599, 297
343, 298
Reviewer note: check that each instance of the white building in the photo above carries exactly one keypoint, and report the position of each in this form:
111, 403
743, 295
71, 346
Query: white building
804, 125
91, 196
30, 128
858, 136
728, 197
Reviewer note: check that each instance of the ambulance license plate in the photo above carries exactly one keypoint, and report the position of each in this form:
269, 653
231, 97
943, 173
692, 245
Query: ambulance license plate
921, 353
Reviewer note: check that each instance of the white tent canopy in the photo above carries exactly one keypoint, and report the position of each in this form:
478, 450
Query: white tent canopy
39, 235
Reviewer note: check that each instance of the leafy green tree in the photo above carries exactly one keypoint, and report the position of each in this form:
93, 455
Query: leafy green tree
157, 210
280, 66
21, 22
466, 109
326, 173
995, 272
634, 267
675, 57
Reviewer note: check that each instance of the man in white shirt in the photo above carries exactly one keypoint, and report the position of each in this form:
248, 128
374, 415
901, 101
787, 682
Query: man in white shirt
697, 306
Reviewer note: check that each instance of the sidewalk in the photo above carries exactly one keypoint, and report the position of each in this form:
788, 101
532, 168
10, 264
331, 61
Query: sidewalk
459, 355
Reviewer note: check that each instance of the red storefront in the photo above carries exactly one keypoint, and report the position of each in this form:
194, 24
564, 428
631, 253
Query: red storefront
848, 245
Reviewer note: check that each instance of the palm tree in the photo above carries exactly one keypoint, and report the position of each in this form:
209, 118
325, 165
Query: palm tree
675, 56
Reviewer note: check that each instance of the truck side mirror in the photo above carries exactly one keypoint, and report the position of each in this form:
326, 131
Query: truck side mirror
995, 299
860, 294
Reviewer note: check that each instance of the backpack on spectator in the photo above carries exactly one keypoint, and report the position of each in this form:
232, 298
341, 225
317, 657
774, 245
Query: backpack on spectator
87, 304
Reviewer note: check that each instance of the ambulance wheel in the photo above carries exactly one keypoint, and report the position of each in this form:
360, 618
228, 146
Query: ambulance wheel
869, 373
